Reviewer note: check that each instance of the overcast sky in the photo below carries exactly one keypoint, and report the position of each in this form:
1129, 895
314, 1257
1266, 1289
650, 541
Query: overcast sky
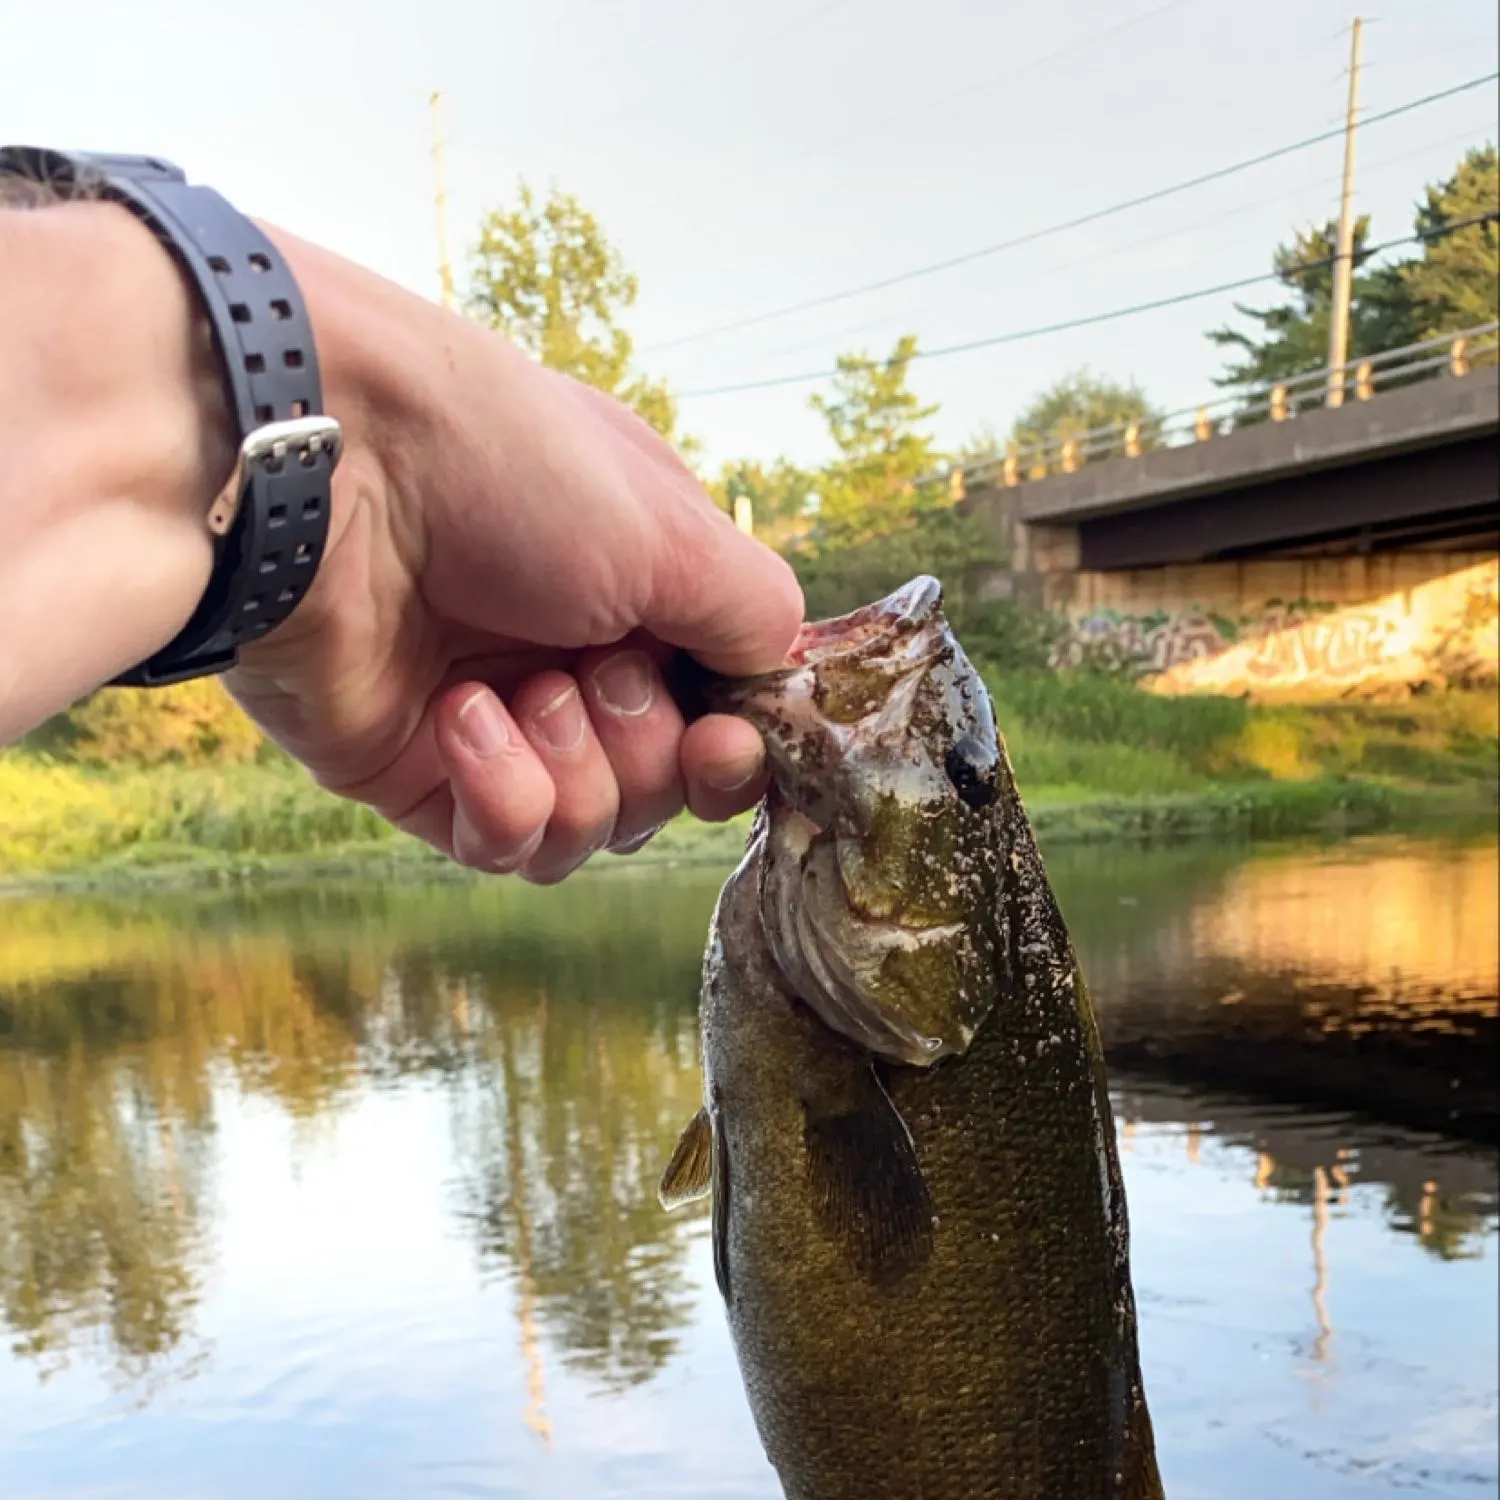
747, 157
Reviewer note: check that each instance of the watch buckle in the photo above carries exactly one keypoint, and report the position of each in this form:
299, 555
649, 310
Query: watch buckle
271, 446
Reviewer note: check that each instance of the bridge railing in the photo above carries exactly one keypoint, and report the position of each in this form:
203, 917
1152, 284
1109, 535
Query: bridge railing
1452, 354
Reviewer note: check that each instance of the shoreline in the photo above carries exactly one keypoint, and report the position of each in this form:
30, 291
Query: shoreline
1252, 811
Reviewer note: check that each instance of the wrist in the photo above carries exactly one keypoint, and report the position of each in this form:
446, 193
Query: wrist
117, 436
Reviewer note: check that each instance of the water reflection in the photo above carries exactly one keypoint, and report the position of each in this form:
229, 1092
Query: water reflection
568, 1037
555, 1033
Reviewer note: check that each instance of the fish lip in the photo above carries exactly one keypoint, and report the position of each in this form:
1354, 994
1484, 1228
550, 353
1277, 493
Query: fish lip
915, 605
908, 626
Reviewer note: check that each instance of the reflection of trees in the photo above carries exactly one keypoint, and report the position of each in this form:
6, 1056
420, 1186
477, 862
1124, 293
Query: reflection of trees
101, 1195
562, 1131
116, 1029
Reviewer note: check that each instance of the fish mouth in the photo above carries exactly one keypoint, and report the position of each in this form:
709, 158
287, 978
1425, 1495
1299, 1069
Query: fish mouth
882, 628
901, 633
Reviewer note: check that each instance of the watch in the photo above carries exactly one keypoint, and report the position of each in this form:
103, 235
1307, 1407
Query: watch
270, 521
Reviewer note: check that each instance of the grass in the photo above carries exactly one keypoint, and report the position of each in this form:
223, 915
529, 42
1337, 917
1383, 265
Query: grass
1096, 759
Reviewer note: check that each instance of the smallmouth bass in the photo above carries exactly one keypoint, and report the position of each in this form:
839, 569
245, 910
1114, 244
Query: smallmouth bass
919, 1224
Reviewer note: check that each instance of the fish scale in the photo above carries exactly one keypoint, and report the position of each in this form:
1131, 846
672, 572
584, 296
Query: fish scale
925, 1265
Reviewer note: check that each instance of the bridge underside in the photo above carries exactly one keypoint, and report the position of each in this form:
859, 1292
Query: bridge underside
1445, 499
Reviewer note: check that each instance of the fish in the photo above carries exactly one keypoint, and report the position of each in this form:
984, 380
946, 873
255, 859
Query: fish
918, 1221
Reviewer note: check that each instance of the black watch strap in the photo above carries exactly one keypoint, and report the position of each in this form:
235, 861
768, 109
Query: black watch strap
270, 522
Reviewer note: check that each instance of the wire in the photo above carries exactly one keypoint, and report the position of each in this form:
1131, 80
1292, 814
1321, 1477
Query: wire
1075, 223
1089, 321
1368, 170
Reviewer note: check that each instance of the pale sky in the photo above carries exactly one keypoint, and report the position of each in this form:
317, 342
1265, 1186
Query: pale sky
749, 157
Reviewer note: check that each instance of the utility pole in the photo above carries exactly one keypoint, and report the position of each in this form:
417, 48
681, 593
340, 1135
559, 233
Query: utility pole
445, 267
1343, 264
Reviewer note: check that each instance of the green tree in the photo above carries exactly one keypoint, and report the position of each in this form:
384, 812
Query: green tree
1083, 402
885, 512
876, 422
1451, 282
546, 275
1292, 337
1455, 282
778, 493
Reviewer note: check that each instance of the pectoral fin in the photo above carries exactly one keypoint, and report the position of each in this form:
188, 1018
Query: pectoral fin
688, 1173
867, 1185
700, 1165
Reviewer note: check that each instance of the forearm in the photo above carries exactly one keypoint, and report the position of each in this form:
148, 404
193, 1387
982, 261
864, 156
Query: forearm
115, 438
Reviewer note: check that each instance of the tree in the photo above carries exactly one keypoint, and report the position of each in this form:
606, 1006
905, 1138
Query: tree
546, 275
1293, 336
1455, 283
885, 513
1083, 402
778, 493
875, 421
1452, 282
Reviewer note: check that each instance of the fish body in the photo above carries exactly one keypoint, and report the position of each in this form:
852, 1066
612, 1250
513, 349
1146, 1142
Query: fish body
919, 1225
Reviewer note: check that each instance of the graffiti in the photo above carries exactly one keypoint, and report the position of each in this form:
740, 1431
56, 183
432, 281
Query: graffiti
1345, 647
1442, 628
1149, 643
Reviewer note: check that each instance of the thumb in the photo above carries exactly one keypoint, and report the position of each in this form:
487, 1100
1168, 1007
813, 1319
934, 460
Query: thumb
725, 598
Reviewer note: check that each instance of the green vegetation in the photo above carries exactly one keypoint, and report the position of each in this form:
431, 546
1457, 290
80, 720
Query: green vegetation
1096, 758
1448, 284
547, 276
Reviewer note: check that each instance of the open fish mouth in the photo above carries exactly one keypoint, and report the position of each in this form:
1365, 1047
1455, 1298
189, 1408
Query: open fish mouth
874, 629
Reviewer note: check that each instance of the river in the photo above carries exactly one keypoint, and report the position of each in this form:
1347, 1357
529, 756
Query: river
348, 1191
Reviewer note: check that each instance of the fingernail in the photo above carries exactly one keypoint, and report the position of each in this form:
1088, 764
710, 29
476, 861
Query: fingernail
481, 725
626, 683
732, 775
631, 845
510, 863
561, 722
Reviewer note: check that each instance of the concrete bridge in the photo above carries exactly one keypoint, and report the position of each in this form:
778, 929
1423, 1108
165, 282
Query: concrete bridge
1332, 546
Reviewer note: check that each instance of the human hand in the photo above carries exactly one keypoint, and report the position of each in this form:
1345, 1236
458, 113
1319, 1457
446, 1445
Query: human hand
512, 560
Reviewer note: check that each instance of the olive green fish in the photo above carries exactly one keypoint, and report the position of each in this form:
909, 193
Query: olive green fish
919, 1226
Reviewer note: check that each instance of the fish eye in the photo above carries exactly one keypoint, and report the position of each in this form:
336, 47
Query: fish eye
973, 769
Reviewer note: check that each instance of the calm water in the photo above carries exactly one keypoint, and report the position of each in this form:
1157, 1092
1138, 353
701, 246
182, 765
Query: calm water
349, 1191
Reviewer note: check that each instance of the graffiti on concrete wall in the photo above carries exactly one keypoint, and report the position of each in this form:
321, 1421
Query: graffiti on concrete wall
1410, 635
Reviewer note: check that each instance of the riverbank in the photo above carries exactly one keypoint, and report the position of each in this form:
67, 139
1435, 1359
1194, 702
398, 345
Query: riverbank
1096, 759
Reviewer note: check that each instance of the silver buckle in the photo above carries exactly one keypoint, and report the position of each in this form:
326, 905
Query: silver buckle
271, 446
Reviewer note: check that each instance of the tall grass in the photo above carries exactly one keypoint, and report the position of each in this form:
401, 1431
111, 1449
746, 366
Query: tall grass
1093, 755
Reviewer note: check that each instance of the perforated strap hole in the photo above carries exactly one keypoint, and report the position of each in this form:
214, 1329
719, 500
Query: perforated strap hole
281, 309
308, 457
259, 262
299, 408
263, 414
251, 606
255, 364
219, 264
239, 311
270, 562
276, 516
286, 595
303, 555
310, 508
292, 358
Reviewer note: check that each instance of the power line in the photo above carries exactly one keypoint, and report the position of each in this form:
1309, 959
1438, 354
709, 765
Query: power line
1107, 251
1177, 299
1075, 223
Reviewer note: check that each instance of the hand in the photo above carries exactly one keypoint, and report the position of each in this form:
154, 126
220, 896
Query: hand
513, 557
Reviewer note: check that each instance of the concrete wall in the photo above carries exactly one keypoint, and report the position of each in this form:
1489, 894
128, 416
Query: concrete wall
1341, 625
